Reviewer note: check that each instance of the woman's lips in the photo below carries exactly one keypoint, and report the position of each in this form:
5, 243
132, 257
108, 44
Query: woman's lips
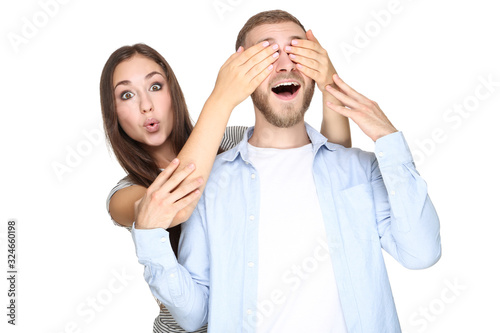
152, 125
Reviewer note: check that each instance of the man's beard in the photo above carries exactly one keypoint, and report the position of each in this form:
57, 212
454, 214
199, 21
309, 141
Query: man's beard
288, 117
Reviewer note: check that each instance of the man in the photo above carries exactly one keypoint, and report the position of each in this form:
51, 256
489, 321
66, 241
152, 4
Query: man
287, 236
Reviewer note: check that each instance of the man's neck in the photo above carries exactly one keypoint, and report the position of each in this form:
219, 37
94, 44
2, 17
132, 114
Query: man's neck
266, 135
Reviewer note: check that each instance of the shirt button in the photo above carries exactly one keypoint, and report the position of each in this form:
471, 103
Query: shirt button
253, 176
249, 312
172, 275
163, 239
252, 217
251, 264
393, 192
381, 154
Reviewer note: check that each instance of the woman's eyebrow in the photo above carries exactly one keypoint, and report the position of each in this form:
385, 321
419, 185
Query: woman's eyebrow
124, 82
148, 76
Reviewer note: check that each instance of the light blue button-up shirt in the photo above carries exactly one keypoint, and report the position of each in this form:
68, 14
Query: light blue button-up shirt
369, 202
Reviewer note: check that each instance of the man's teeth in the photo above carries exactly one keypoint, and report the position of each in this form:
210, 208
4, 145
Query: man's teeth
286, 84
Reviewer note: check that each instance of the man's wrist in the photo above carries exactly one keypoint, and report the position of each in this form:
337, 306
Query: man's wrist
392, 149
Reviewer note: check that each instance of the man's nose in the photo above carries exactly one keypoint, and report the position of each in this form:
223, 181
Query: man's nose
284, 63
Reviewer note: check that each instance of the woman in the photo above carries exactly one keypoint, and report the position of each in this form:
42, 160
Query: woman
147, 124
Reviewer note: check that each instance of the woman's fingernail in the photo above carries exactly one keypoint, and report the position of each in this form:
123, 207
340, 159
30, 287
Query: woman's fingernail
275, 46
293, 56
294, 42
266, 43
288, 48
240, 49
275, 55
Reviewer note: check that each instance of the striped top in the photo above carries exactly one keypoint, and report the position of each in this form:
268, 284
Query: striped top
165, 323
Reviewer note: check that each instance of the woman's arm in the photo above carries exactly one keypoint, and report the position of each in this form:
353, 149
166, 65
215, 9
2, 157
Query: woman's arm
200, 149
335, 126
313, 60
237, 79
121, 204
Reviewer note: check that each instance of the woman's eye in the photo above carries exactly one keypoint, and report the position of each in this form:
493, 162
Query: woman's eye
155, 87
127, 95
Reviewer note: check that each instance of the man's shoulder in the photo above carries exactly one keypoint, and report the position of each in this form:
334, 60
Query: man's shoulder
341, 153
225, 160
224, 157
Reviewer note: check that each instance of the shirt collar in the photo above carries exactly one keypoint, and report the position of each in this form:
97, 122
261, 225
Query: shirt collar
317, 140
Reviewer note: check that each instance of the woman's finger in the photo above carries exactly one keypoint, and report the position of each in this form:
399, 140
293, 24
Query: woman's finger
176, 179
309, 72
164, 175
186, 200
307, 45
266, 56
298, 51
245, 56
185, 189
307, 62
259, 72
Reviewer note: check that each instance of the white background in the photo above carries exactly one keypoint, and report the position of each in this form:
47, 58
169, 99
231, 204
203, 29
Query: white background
425, 59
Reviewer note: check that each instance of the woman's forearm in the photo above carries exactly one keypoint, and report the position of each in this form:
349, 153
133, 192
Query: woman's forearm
334, 126
202, 146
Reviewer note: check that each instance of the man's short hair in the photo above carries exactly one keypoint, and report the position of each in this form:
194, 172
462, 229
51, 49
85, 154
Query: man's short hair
268, 17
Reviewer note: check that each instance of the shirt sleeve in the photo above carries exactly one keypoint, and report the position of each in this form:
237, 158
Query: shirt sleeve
407, 221
181, 285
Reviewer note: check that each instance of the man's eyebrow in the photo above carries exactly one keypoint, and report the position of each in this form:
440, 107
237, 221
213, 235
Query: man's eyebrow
147, 77
271, 40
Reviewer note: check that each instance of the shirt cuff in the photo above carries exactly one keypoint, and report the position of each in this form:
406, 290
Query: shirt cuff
392, 149
153, 243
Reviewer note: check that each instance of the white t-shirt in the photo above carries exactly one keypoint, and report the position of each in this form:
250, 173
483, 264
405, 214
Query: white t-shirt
297, 291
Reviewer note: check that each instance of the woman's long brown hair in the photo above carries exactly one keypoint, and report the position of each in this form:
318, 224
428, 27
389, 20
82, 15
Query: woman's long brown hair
134, 159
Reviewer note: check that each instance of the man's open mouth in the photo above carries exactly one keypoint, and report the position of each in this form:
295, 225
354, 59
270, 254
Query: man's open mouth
286, 90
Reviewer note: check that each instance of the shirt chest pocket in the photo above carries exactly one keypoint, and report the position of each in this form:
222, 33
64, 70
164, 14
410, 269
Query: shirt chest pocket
356, 212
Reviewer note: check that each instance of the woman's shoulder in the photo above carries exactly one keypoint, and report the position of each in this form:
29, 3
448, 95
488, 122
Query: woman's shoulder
232, 136
122, 183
